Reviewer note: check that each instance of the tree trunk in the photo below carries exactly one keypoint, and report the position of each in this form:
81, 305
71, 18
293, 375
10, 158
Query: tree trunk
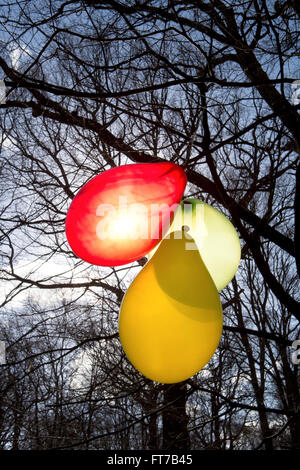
293, 398
175, 419
153, 444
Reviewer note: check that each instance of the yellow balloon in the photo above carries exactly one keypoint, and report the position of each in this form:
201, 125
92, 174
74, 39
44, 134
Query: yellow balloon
215, 237
170, 321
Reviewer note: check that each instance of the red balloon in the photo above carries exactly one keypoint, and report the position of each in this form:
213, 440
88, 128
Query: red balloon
120, 215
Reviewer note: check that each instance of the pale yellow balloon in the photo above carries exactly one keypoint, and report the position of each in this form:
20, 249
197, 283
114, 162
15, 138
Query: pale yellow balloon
215, 237
171, 319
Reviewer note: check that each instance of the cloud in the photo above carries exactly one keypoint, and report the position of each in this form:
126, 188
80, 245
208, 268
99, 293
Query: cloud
8, 142
17, 53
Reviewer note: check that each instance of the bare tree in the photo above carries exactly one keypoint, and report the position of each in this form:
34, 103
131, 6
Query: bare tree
94, 84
